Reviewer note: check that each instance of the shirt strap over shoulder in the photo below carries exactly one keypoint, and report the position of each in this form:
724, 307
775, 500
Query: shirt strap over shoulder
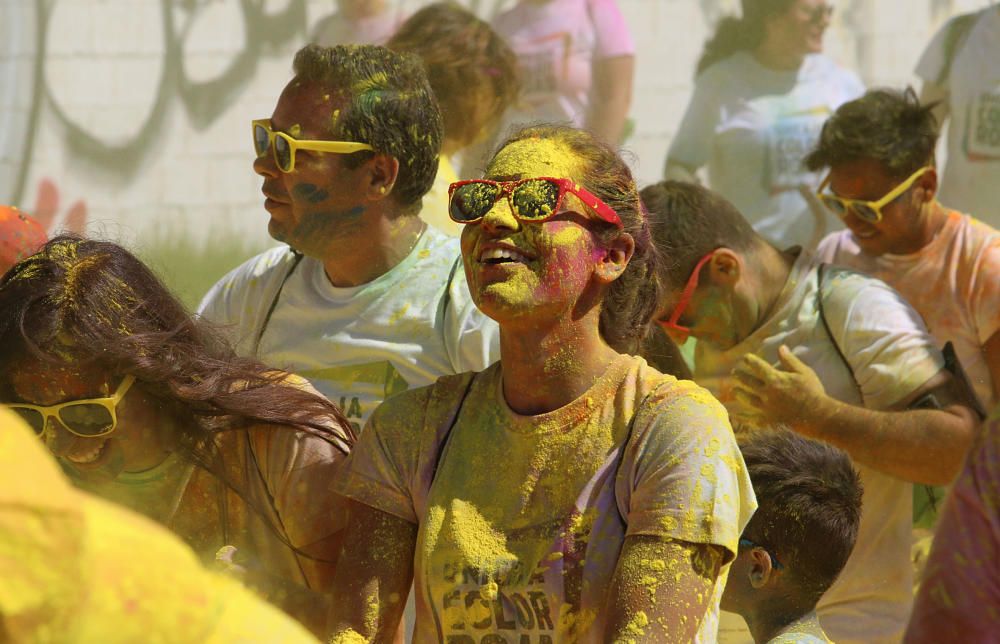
447, 397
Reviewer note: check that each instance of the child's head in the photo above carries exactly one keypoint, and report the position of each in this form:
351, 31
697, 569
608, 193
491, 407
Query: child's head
809, 508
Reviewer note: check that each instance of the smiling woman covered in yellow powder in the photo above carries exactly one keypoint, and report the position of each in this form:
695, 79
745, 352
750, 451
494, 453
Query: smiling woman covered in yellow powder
143, 405
569, 492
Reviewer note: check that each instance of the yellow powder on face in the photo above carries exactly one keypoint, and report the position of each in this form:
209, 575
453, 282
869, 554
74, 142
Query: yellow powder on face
534, 157
295, 130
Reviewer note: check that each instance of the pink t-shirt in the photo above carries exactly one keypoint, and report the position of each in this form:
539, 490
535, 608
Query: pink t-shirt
556, 43
521, 527
959, 599
953, 282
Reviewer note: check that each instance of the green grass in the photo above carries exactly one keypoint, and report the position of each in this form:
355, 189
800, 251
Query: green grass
189, 267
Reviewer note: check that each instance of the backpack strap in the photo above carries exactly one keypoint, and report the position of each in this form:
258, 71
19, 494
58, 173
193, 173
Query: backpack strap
446, 400
274, 303
820, 309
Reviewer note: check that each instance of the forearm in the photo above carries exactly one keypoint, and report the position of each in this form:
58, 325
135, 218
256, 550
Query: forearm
373, 577
610, 98
661, 590
919, 445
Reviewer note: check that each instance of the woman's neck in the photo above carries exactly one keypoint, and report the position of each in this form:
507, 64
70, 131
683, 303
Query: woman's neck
548, 368
774, 56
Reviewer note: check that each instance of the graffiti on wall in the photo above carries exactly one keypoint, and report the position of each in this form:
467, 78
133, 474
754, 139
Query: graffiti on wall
25, 90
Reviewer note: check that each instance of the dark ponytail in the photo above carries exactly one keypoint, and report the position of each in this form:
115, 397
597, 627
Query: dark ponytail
734, 35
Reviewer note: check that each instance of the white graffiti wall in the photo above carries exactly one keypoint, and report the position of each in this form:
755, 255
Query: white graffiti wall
130, 118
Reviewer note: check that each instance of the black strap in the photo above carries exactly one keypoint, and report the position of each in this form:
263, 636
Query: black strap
820, 284
274, 302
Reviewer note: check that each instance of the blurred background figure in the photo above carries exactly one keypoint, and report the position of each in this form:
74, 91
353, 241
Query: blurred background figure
762, 91
959, 68
474, 76
143, 405
959, 599
78, 569
362, 22
577, 62
20, 236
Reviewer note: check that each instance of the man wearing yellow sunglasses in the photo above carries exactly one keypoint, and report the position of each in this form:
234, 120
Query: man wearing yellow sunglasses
365, 300
879, 151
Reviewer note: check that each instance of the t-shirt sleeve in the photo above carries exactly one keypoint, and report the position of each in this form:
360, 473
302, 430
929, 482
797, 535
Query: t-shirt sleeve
960, 578
471, 339
693, 141
613, 37
299, 469
984, 299
382, 468
682, 475
931, 64
882, 336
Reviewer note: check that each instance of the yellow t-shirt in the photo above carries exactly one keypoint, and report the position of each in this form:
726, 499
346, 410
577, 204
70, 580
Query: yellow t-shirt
521, 527
75, 568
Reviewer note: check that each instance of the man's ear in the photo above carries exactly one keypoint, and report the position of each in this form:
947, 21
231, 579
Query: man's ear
615, 259
381, 175
760, 568
725, 268
926, 186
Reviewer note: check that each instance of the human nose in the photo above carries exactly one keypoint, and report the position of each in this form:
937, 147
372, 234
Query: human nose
500, 216
264, 165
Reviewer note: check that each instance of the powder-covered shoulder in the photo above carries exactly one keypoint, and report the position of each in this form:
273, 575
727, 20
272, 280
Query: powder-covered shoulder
252, 275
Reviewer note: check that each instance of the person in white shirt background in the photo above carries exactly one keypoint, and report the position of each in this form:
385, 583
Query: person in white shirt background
959, 69
762, 91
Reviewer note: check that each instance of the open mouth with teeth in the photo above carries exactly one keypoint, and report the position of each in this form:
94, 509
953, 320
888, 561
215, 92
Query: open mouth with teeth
495, 256
89, 457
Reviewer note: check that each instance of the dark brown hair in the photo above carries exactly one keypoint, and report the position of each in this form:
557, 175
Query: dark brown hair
92, 303
388, 104
632, 299
692, 221
465, 60
733, 35
886, 125
808, 506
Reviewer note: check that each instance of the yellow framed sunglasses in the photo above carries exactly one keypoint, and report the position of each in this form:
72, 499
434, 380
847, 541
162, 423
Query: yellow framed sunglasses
870, 211
86, 418
284, 147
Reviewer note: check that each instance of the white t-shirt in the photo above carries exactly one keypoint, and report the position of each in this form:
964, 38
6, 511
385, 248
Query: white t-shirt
359, 345
556, 43
971, 179
891, 355
639, 453
753, 126
953, 282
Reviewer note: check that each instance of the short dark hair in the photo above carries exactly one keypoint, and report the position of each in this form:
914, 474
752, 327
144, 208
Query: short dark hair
632, 299
389, 105
465, 60
808, 506
690, 222
887, 125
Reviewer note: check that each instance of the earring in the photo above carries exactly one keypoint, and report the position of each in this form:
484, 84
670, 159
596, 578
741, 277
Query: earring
381, 190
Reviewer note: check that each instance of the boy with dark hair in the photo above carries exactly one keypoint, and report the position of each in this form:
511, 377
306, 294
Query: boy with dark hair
883, 184
796, 544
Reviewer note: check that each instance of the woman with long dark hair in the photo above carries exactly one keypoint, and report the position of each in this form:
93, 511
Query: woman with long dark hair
763, 89
142, 404
569, 492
